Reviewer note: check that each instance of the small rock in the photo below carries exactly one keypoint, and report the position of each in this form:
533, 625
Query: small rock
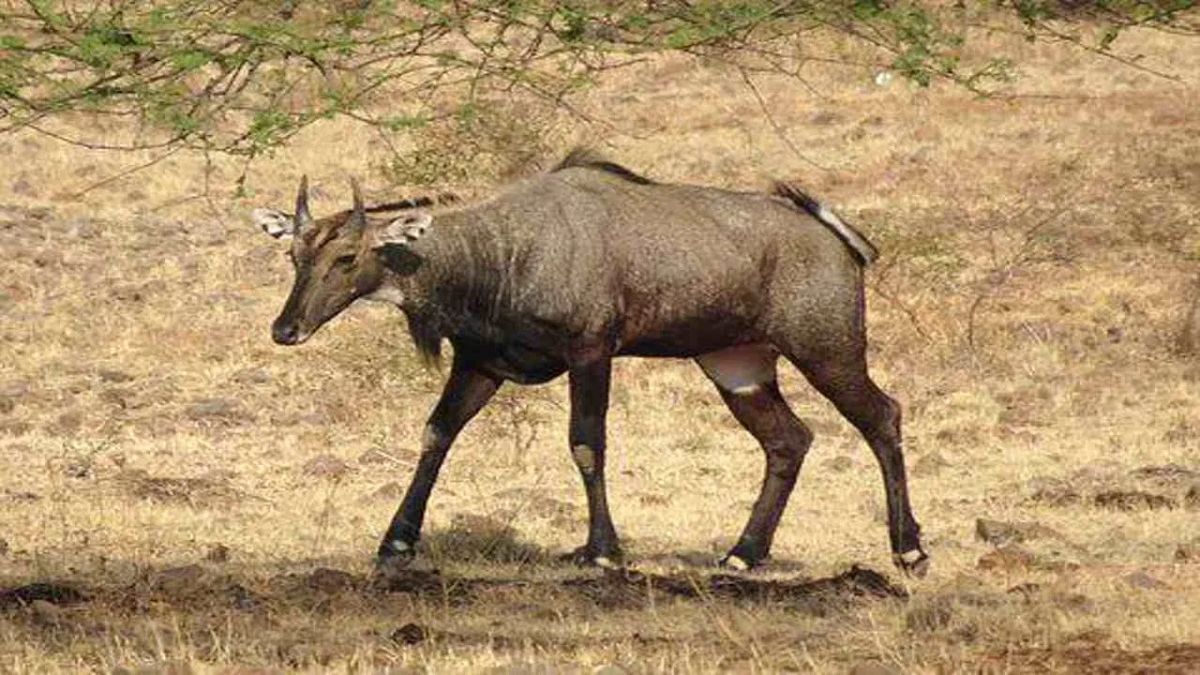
1075, 602
1053, 492
410, 634
646, 499
390, 491
823, 117
1164, 472
14, 428
14, 390
1026, 589
113, 376
1129, 500
80, 467
129, 293
22, 186
223, 410
22, 496
304, 654
838, 464
46, 612
252, 376
929, 464
67, 423
243, 598
1188, 552
116, 397
1011, 558
217, 554
52, 593
1192, 498
330, 580
176, 580
83, 229
326, 466
1142, 579
1000, 533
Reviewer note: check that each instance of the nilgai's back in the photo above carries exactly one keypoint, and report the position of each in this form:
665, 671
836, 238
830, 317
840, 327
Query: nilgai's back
671, 258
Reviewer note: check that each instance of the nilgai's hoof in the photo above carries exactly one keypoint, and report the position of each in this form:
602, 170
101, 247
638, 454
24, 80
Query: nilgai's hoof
585, 557
736, 563
394, 556
914, 563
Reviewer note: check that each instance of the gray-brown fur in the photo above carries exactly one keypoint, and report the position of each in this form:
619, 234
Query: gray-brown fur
590, 261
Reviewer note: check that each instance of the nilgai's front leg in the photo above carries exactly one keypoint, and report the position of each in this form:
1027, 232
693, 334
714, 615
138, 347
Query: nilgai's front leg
465, 394
589, 382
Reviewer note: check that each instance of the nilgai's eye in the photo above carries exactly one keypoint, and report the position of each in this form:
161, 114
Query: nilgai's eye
343, 260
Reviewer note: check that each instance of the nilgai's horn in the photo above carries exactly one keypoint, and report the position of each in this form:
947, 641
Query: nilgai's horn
302, 217
360, 212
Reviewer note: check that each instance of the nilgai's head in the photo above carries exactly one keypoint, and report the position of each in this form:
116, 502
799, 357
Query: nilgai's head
337, 260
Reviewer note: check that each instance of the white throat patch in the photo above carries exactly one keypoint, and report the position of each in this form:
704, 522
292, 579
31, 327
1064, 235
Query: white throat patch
387, 294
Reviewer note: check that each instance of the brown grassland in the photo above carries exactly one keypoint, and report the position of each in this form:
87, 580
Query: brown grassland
178, 494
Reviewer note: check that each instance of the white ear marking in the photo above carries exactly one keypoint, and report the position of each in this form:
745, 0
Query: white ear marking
274, 222
404, 230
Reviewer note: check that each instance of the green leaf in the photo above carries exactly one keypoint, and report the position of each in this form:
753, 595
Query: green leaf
12, 42
268, 127
1109, 36
191, 59
403, 122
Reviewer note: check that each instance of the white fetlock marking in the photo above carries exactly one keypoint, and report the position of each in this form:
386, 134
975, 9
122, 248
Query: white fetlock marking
399, 546
911, 557
431, 440
746, 390
734, 562
585, 458
605, 562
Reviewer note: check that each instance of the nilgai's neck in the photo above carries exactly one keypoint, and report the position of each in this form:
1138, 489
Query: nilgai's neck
460, 271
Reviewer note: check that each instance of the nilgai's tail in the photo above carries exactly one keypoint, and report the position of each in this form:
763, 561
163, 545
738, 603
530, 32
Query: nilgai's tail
863, 249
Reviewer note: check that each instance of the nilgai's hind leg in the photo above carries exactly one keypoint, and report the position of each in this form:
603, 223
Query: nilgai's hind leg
464, 395
843, 379
745, 376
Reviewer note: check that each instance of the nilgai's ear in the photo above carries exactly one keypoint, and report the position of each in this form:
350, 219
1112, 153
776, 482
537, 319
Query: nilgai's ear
402, 231
274, 222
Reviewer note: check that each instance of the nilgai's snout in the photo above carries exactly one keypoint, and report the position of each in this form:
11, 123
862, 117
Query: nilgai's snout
285, 333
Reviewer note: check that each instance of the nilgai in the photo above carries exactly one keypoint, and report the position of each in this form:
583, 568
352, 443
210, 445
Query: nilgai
590, 261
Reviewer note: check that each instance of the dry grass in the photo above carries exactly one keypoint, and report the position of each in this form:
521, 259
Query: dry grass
198, 500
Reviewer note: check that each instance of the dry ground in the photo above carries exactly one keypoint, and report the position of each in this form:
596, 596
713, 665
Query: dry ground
178, 494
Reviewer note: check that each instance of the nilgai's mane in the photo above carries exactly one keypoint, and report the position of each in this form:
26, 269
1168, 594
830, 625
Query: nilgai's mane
330, 225
414, 203
589, 159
